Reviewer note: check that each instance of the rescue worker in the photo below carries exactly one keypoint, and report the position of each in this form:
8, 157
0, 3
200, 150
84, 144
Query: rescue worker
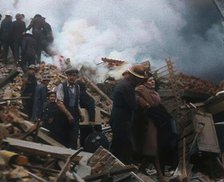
18, 30
6, 35
124, 105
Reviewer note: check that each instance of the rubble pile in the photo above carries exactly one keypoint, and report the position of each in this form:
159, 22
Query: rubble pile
21, 158
185, 82
28, 153
195, 84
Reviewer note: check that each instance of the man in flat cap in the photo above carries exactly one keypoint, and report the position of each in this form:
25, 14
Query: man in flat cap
40, 97
68, 95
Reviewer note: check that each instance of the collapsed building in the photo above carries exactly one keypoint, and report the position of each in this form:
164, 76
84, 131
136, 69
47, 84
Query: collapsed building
28, 153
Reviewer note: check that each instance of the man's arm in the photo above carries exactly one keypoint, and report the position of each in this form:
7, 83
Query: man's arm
63, 109
60, 103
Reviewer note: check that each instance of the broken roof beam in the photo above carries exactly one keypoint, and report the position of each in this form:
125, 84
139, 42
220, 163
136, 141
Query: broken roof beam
8, 78
95, 87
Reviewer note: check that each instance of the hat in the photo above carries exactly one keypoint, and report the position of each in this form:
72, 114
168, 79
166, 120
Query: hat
138, 71
37, 16
71, 71
51, 92
18, 16
45, 78
32, 66
8, 13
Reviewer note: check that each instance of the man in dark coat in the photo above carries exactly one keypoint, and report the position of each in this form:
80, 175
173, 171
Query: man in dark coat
124, 105
52, 118
108, 86
40, 97
86, 101
6, 36
47, 38
37, 25
28, 88
29, 46
18, 30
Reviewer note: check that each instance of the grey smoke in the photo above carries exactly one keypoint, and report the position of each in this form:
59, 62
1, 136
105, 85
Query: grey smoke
189, 31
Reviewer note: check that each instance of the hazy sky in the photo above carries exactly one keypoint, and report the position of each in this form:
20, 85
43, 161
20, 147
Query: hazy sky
189, 32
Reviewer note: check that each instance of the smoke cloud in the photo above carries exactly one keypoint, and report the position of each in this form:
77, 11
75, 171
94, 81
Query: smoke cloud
189, 32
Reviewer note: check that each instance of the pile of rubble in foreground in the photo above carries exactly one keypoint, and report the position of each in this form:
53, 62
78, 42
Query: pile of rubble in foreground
27, 153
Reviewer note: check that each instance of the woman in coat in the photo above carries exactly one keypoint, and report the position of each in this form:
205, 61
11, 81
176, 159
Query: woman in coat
152, 126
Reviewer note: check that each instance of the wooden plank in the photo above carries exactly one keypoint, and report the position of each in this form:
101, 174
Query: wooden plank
207, 140
188, 130
42, 149
48, 139
94, 86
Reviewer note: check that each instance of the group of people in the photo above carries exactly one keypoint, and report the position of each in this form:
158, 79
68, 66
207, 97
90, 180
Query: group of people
59, 110
143, 130
25, 47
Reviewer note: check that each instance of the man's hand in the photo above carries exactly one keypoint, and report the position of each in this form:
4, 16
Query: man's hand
70, 119
81, 118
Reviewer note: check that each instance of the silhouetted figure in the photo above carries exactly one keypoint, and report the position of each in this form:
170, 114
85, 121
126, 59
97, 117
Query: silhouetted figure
6, 35
28, 89
47, 37
28, 52
18, 30
37, 25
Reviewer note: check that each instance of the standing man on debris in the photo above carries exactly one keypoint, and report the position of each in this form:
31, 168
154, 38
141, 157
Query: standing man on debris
6, 35
28, 88
68, 95
124, 105
29, 46
18, 30
47, 38
37, 25
40, 97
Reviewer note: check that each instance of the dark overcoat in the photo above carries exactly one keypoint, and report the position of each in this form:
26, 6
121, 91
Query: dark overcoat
124, 104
